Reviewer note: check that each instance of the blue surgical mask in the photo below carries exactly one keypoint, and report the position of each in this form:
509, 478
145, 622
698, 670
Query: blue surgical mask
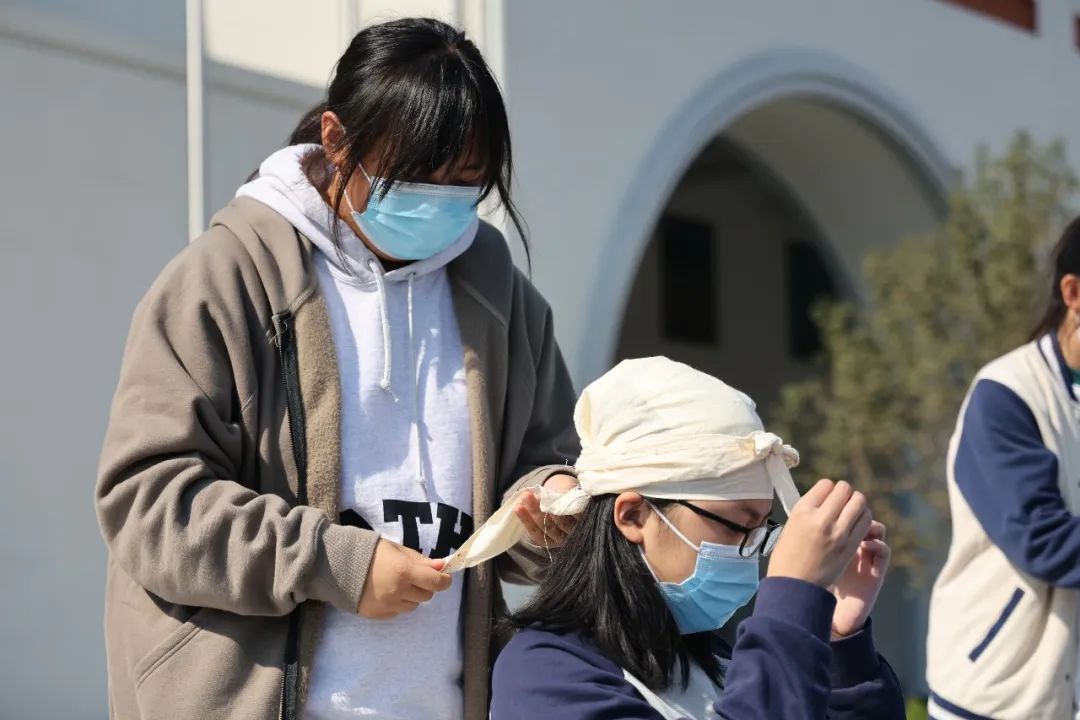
416, 221
722, 582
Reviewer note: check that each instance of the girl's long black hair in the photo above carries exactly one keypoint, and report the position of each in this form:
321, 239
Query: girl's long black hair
1066, 260
598, 585
419, 91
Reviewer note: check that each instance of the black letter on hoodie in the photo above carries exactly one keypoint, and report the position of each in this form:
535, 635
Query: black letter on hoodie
408, 513
450, 538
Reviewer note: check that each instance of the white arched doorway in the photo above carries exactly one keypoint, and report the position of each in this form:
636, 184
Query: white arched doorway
848, 153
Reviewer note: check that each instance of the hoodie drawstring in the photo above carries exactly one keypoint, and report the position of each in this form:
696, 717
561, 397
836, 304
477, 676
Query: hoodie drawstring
386, 383
384, 311
421, 475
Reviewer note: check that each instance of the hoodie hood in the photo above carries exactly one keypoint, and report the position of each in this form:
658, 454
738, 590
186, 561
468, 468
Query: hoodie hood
282, 185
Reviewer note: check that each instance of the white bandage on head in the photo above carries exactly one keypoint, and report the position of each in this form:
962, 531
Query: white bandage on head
662, 429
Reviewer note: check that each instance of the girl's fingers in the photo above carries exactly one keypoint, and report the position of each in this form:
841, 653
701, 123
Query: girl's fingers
816, 495
531, 528
564, 522
525, 514
542, 528
877, 531
854, 517
531, 501
838, 506
417, 595
882, 554
862, 525
874, 547
875, 555
554, 535
532, 504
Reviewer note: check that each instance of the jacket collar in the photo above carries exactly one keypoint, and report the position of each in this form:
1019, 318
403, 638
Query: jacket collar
1055, 360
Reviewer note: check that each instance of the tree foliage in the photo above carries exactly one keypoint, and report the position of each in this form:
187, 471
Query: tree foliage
935, 308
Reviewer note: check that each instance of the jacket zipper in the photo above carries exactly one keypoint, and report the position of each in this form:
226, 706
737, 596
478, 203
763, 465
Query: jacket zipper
294, 406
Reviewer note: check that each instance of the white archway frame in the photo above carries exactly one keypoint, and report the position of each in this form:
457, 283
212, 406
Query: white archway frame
746, 86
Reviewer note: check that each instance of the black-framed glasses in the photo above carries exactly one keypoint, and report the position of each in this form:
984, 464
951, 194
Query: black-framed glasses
756, 540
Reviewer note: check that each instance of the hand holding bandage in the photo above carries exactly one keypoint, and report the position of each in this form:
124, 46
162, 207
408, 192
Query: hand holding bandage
544, 529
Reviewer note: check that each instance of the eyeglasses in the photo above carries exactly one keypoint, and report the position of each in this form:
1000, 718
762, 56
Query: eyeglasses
758, 540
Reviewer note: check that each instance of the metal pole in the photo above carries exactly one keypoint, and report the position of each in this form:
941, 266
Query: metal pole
195, 120
350, 21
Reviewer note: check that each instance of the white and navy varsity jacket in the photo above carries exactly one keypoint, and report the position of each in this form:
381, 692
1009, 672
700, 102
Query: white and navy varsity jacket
1003, 615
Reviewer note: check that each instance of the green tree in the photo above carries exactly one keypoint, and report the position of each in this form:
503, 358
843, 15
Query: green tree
935, 308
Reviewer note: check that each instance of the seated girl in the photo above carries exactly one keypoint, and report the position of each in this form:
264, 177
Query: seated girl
677, 478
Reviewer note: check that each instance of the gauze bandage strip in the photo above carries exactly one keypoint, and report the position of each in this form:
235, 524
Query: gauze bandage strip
662, 429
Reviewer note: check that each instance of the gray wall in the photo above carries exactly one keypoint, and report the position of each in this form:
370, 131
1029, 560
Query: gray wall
93, 201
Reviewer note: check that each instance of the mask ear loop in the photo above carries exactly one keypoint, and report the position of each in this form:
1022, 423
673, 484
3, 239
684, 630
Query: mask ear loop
677, 531
647, 565
366, 176
348, 201
547, 547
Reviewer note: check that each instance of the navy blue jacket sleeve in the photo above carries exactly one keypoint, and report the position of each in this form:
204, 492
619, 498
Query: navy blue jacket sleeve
782, 665
540, 675
1009, 478
863, 684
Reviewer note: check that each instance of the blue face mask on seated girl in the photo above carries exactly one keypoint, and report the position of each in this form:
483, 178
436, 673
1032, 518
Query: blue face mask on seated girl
416, 221
722, 582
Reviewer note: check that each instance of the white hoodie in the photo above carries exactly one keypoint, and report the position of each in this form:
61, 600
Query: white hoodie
406, 464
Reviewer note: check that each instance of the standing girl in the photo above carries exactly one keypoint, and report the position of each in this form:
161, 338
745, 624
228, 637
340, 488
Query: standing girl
1004, 612
323, 392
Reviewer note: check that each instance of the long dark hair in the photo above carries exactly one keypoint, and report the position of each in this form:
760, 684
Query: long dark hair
1066, 261
419, 90
598, 585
